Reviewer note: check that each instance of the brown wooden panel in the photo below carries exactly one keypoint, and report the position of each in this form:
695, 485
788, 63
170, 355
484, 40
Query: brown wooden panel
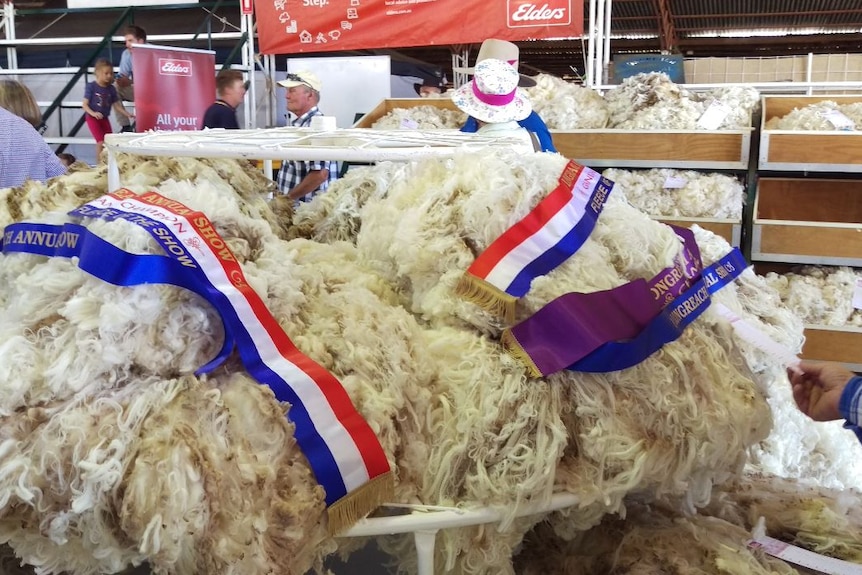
814, 148
812, 200
721, 228
829, 345
623, 144
389, 104
778, 106
821, 241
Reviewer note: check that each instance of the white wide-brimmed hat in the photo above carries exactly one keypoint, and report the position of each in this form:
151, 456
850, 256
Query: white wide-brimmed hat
493, 95
500, 50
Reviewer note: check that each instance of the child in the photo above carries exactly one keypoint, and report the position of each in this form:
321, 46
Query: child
99, 97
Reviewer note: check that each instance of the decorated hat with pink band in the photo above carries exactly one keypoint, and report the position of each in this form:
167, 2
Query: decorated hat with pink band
493, 95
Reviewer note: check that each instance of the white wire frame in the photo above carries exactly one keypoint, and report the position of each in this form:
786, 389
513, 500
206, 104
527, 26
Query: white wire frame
290, 143
425, 521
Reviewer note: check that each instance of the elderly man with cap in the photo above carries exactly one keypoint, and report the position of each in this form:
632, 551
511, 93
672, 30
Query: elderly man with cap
495, 101
508, 52
302, 180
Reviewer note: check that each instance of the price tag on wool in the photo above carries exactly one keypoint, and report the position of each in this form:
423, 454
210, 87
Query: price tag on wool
857, 294
800, 556
839, 120
714, 115
674, 183
408, 124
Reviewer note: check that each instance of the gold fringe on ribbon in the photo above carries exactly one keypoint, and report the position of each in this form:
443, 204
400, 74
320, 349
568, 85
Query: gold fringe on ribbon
486, 296
513, 346
345, 512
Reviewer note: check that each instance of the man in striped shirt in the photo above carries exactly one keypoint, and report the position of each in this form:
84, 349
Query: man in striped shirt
302, 180
827, 391
24, 155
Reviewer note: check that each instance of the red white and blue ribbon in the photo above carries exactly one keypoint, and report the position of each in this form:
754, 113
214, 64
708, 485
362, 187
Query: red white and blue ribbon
342, 450
546, 237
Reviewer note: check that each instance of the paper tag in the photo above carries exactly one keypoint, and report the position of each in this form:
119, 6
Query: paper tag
857, 294
674, 183
800, 556
408, 124
839, 120
714, 115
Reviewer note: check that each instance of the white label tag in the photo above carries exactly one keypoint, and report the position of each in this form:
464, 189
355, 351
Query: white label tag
857, 294
714, 115
674, 183
800, 556
839, 120
408, 124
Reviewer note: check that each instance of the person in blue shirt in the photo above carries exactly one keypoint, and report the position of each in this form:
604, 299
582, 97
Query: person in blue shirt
828, 391
125, 78
509, 52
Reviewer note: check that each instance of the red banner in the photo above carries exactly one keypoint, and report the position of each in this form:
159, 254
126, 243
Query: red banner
173, 87
328, 25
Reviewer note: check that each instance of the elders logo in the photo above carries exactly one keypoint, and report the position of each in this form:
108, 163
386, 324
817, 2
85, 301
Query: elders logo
174, 67
539, 13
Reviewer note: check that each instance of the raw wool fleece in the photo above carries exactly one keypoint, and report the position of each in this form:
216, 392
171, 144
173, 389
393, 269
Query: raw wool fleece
814, 117
693, 194
653, 102
108, 457
567, 106
649, 540
672, 426
820, 295
425, 117
823, 520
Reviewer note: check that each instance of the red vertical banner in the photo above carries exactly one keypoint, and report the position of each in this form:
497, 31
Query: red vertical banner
173, 87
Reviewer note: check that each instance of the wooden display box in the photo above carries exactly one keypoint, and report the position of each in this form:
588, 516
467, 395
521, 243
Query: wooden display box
807, 151
685, 149
730, 230
389, 104
831, 343
814, 221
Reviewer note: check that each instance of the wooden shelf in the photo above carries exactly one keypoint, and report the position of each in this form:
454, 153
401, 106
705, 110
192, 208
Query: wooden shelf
686, 149
807, 151
834, 343
816, 221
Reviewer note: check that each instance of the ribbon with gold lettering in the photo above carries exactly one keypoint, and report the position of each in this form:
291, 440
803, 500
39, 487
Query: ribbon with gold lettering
573, 325
344, 454
546, 237
619, 328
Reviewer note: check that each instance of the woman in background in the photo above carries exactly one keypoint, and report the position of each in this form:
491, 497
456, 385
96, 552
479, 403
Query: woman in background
18, 99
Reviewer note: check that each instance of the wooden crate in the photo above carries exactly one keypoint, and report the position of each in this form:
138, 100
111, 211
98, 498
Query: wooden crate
831, 343
387, 105
815, 221
810, 151
685, 149
730, 230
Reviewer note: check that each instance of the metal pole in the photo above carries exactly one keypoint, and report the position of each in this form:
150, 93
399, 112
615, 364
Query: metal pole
600, 44
607, 37
591, 47
249, 103
9, 25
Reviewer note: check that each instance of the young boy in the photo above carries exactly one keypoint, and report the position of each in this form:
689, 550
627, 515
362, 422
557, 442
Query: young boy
99, 97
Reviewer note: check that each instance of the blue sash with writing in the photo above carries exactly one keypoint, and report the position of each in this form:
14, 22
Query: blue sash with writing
112, 264
669, 324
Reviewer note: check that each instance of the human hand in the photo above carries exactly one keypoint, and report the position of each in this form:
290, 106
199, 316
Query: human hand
817, 389
97, 115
